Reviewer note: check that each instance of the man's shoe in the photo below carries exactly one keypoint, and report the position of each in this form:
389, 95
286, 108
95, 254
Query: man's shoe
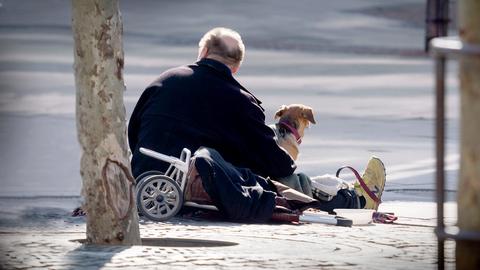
374, 182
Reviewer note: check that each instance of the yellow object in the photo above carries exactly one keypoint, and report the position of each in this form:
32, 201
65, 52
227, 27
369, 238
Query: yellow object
374, 177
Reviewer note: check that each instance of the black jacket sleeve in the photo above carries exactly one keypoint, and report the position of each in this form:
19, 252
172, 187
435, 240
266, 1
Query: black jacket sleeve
135, 120
269, 160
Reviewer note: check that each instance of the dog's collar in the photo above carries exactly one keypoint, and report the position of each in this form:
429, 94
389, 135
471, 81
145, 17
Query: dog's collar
292, 130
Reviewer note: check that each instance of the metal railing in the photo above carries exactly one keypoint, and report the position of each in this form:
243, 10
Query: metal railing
443, 48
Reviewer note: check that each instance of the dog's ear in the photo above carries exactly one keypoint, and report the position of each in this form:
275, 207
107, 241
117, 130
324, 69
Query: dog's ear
280, 111
307, 113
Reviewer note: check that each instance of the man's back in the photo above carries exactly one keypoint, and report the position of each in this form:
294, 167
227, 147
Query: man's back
203, 105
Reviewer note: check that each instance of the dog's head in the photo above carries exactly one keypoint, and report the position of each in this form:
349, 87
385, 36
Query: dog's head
298, 116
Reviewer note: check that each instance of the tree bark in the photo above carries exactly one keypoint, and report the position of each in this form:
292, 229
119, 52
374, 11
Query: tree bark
105, 169
467, 252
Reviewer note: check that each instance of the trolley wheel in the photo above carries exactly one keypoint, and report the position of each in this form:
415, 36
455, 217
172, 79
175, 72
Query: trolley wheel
145, 175
159, 197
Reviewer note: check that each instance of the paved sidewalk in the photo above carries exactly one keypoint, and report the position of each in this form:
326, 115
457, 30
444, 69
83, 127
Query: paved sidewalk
48, 245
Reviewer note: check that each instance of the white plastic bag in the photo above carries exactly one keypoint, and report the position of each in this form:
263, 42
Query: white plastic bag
326, 186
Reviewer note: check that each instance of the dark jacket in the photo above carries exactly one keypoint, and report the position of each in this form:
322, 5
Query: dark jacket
203, 105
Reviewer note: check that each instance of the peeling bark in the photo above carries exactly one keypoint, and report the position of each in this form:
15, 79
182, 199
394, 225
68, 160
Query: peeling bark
105, 169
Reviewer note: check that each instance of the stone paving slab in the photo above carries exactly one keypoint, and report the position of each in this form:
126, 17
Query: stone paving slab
269, 246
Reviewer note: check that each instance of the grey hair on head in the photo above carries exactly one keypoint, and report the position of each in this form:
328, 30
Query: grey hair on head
224, 43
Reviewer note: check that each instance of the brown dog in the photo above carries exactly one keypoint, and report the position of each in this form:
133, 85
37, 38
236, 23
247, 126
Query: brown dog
292, 121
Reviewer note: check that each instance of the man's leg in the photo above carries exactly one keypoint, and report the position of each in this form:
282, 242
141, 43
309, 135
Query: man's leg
299, 182
345, 198
237, 192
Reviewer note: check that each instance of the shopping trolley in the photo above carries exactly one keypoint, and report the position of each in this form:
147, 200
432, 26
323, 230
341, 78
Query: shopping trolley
160, 196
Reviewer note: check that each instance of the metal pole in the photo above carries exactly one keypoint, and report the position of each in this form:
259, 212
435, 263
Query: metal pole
466, 237
437, 20
442, 17
440, 151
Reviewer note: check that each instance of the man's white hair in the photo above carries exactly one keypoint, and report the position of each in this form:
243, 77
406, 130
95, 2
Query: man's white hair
225, 43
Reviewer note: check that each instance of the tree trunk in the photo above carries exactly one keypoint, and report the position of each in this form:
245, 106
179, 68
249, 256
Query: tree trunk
107, 181
468, 252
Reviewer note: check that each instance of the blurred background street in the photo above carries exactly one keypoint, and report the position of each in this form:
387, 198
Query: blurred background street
359, 64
